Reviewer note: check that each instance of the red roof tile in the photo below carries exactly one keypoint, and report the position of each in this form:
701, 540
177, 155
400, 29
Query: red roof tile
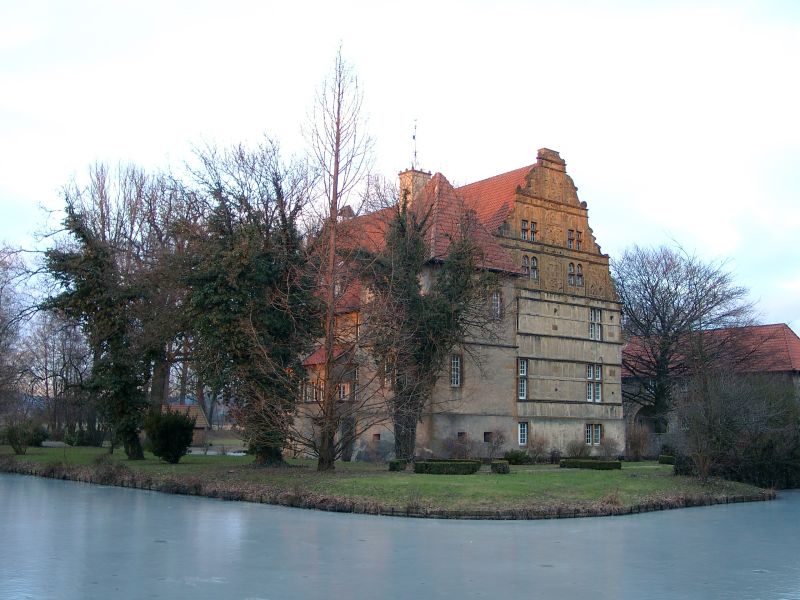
318, 356
771, 348
492, 199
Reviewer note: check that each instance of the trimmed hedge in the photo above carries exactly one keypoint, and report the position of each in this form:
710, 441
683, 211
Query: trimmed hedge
500, 467
517, 457
581, 463
666, 459
398, 464
447, 467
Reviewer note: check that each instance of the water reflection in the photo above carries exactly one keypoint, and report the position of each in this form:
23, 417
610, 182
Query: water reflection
70, 540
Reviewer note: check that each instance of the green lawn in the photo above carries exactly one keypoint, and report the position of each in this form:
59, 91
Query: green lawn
527, 487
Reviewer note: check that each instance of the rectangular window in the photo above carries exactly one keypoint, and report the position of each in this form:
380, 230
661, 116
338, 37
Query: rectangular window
497, 304
594, 383
593, 434
344, 390
522, 378
523, 230
455, 370
570, 238
376, 437
534, 231
595, 326
488, 436
462, 435
579, 240
523, 433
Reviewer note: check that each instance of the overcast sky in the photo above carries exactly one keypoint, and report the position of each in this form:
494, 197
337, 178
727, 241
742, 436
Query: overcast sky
679, 121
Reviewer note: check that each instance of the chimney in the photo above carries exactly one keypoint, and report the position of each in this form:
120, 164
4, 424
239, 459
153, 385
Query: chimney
411, 182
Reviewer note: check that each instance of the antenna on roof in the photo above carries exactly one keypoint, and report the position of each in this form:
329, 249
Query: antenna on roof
414, 138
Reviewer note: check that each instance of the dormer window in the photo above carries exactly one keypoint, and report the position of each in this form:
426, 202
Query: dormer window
570, 238
523, 230
571, 274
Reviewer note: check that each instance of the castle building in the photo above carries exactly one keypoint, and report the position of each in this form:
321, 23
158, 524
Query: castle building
550, 373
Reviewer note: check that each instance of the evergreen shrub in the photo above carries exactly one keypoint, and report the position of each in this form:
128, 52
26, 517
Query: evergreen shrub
580, 463
398, 464
666, 459
517, 457
170, 434
500, 467
447, 466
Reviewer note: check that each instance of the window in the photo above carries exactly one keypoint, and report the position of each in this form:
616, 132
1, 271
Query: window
571, 274
462, 435
595, 326
594, 383
534, 232
376, 437
488, 437
523, 230
522, 378
534, 268
497, 304
578, 240
525, 266
579, 275
344, 390
455, 370
570, 239
522, 428
594, 434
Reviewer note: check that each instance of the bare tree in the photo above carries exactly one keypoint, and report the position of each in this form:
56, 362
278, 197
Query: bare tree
671, 301
342, 151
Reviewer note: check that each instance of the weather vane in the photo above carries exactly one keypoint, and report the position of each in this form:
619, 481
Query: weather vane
414, 138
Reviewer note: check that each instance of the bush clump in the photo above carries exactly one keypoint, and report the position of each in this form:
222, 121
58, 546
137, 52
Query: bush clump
582, 463
447, 467
22, 435
500, 467
170, 434
398, 464
517, 457
666, 459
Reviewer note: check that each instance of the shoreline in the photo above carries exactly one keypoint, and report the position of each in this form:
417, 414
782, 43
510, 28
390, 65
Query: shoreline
121, 476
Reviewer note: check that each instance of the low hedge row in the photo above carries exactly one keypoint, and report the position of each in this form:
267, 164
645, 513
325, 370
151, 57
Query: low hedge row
447, 467
582, 463
398, 464
500, 467
666, 459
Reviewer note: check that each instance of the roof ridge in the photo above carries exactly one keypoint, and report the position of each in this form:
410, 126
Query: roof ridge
528, 167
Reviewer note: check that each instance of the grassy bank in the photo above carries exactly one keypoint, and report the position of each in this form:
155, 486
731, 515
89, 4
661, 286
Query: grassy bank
539, 491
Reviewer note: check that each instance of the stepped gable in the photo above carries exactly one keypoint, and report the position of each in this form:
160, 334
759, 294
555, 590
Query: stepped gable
451, 218
492, 199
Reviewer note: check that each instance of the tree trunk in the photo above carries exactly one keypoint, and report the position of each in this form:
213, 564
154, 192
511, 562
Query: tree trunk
132, 445
327, 449
405, 434
160, 382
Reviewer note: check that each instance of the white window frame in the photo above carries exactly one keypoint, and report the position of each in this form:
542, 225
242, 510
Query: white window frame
522, 433
343, 390
523, 230
455, 370
533, 231
571, 274
534, 273
570, 238
593, 434
594, 382
497, 304
595, 324
522, 379
525, 266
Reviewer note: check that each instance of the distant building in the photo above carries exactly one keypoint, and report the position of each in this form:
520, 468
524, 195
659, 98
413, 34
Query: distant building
552, 371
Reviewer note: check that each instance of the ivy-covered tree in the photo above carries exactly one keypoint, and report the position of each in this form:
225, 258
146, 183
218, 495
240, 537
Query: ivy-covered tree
251, 306
93, 292
411, 331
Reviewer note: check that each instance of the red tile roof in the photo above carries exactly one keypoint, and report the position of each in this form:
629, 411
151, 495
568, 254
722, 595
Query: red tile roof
771, 348
492, 199
318, 356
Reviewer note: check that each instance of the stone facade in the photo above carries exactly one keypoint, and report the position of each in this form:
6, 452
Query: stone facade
551, 373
